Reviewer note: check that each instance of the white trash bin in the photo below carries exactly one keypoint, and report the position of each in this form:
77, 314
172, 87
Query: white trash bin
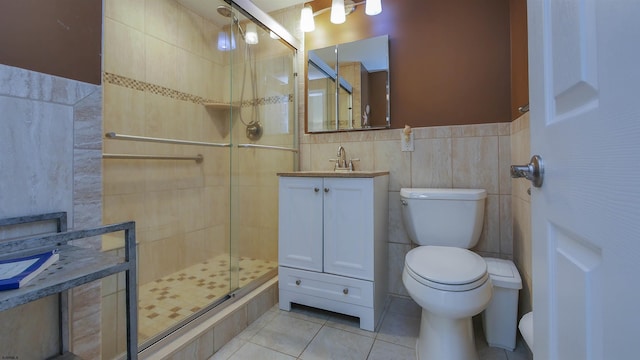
500, 318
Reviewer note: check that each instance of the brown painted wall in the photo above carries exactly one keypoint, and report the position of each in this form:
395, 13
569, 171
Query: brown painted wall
519, 56
57, 37
449, 60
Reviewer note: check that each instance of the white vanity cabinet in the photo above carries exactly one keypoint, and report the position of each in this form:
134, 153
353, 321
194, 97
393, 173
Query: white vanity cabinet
333, 242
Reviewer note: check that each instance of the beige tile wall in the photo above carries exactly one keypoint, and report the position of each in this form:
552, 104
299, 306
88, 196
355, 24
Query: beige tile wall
153, 42
470, 156
521, 205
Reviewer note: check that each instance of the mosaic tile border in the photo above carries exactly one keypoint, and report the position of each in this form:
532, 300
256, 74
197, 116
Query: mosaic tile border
271, 100
134, 84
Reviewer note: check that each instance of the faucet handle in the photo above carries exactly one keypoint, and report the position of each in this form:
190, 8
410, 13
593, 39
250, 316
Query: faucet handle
336, 161
351, 163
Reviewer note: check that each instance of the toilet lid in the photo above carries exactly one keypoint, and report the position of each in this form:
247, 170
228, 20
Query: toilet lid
446, 268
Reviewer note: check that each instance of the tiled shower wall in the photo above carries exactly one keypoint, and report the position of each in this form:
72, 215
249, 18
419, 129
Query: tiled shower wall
161, 64
50, 150
468, 156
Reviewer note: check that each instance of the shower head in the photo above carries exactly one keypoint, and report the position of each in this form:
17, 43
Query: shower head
225, 11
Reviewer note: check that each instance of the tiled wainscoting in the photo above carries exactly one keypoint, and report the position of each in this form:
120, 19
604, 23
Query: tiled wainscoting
463, 156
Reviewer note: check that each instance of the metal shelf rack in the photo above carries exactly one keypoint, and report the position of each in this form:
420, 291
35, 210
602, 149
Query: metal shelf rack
76, 266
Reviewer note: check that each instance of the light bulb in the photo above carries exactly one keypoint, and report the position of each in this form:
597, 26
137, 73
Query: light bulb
373, 7
338, 15
251, 34
307, 24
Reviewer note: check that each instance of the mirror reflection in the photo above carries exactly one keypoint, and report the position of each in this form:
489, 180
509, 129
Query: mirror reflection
348, 86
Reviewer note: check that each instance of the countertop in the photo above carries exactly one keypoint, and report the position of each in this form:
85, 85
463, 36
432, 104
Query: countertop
335, 174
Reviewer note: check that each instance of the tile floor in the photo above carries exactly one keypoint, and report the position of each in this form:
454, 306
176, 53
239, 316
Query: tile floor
165, 302
310, 334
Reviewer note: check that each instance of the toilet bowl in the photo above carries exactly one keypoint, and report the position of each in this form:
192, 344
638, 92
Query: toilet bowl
449, 282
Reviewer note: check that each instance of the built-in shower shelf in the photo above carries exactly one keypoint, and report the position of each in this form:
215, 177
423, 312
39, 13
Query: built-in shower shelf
77, 265
219, 106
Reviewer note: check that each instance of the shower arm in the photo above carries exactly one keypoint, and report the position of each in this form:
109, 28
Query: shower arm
240, 30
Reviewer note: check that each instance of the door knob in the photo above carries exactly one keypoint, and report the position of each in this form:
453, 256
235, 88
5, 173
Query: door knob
534, 171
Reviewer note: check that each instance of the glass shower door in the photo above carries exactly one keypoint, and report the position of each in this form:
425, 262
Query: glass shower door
212, 104
263, 143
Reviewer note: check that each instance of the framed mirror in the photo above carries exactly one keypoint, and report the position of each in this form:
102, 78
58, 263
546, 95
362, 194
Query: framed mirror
348, 86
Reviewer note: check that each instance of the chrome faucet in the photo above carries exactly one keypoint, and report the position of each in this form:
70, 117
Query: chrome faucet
341, 162
342, 158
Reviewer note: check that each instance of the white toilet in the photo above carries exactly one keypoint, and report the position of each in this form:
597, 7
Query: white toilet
449, 282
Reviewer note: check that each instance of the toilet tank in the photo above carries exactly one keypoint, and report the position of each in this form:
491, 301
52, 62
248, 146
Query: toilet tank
444, 217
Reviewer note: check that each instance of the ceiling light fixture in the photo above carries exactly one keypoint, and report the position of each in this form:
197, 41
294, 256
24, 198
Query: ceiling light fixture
306, 19
373, 7
339, 10
251, 34
338, 14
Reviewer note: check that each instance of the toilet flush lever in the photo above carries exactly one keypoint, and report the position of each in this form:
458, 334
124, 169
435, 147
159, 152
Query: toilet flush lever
534, 171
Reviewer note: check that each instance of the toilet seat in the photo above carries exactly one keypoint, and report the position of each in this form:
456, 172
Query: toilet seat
446, 268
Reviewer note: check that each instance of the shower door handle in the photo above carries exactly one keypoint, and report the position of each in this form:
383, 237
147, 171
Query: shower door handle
534, 171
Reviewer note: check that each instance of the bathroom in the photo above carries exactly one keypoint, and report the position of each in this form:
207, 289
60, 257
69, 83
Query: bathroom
464, 140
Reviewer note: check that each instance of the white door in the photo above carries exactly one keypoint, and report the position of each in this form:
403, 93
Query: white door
584, 74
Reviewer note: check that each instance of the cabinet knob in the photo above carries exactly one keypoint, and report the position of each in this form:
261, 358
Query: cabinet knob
345, 291
326, 190
298, 282
316, 189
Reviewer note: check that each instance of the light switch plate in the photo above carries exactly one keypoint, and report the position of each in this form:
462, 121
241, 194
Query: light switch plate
407, 145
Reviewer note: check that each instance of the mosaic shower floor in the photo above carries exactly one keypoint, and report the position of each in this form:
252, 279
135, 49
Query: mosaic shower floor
170, 299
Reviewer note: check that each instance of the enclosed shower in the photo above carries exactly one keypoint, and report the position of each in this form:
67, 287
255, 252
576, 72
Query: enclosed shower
199, 117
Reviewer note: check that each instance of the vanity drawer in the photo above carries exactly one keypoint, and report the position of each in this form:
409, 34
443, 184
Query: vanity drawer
333, 287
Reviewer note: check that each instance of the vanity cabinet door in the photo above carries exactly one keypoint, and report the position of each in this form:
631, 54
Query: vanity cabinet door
300, 223
348, 227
